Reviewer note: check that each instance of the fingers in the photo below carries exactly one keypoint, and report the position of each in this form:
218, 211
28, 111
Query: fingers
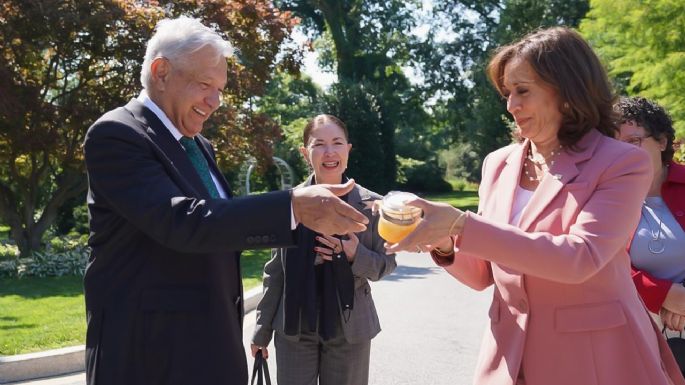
669, 319
328, 241
409, 243
375, 206
254, 349
417, 202
679, 323
324, 253
341, 189
350, 212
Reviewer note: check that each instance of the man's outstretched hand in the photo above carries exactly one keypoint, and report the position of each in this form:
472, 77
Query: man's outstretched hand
318, 208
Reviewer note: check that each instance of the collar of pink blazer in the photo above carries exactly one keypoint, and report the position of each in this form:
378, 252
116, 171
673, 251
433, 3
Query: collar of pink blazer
560, 174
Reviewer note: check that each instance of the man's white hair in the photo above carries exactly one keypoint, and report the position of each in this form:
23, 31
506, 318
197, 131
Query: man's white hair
175, 39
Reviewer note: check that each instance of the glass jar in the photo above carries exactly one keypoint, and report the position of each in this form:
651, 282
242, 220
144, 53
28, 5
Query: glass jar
397, 219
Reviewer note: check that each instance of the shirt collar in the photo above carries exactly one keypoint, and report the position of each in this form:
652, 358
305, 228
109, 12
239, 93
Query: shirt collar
147, 102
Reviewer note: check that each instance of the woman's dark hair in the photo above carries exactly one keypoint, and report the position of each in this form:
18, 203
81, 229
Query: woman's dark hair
565, 61
320, 120
652, 117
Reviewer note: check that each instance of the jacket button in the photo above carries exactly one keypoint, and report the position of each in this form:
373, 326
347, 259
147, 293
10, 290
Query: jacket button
523, 306
265, 239
679, 213
249, 240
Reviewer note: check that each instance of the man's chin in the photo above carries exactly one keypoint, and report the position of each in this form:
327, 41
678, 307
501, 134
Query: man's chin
191, 131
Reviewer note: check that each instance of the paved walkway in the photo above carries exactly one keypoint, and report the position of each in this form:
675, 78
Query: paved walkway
432, 327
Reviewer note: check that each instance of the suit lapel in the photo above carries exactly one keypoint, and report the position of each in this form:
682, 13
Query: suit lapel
170, 147
561, 173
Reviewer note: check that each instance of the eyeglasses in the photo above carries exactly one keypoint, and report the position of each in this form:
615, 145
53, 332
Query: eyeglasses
636, 140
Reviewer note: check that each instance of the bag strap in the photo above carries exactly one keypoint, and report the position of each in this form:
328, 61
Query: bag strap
260, 370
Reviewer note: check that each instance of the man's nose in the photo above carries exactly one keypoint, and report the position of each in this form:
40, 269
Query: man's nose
214, 99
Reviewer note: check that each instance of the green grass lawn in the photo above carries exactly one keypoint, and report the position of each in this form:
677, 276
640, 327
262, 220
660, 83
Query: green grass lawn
47, 313
465, 200
41, 313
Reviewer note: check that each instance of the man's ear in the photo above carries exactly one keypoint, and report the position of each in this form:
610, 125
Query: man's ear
159, 72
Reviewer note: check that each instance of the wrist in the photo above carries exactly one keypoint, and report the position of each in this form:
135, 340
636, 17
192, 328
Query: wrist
443, 256
293, 212
446, 248
457, 224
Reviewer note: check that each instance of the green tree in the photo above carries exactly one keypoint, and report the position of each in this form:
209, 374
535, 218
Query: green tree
643, 44
453, 58
292, 100
366, 42
63, 63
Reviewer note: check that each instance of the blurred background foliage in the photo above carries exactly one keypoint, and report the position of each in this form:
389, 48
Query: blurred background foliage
409, 83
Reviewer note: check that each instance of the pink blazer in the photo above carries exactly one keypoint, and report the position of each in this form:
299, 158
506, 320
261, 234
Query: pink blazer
564, 309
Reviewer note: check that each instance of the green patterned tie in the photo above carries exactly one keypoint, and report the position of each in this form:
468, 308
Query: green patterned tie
200, 163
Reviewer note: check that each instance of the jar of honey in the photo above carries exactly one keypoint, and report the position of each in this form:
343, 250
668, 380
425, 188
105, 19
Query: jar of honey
397, 219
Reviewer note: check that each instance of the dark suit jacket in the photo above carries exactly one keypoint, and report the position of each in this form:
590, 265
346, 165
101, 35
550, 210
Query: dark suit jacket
163, 287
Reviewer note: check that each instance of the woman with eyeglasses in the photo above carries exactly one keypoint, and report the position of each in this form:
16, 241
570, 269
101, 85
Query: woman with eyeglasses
657, 250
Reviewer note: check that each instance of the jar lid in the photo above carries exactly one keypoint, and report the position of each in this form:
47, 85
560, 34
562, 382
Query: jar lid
394, 201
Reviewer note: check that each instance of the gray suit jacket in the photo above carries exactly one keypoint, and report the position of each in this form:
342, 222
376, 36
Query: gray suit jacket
370, 264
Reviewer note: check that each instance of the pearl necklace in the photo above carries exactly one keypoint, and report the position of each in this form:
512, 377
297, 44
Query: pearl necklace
656, 244
540, 163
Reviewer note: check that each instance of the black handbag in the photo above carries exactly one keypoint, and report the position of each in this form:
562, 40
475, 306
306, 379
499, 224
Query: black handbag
677, 345
260, 370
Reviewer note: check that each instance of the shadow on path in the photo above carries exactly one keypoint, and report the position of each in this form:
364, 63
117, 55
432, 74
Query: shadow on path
411, 272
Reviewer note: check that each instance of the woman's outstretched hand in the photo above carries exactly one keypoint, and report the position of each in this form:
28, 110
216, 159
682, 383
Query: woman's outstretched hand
438, 219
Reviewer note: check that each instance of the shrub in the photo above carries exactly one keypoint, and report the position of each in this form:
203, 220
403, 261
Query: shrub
8, 251
62, 256
9, 268
55, 264
419, 175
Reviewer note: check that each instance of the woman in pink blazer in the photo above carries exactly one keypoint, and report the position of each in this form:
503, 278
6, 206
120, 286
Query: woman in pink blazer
556, 211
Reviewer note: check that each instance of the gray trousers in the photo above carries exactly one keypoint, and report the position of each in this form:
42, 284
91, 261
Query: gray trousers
332, 362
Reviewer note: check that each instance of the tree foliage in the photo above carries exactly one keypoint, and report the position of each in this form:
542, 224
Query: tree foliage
453, 56
64, 63
643, 45
366, 42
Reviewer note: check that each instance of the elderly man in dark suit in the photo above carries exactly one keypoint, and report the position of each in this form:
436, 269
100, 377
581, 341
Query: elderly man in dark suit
163, 288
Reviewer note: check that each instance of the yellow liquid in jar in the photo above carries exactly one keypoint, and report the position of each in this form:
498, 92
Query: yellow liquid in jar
393, 232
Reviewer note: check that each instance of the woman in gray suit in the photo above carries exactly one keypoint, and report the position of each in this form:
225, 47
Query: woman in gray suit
317, 296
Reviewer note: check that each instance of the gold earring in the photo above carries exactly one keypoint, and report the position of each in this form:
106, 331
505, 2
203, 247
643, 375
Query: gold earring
566, 105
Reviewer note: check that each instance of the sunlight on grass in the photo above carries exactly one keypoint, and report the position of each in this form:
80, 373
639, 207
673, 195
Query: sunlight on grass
48, 313
41, 313
252, 264
465, 200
